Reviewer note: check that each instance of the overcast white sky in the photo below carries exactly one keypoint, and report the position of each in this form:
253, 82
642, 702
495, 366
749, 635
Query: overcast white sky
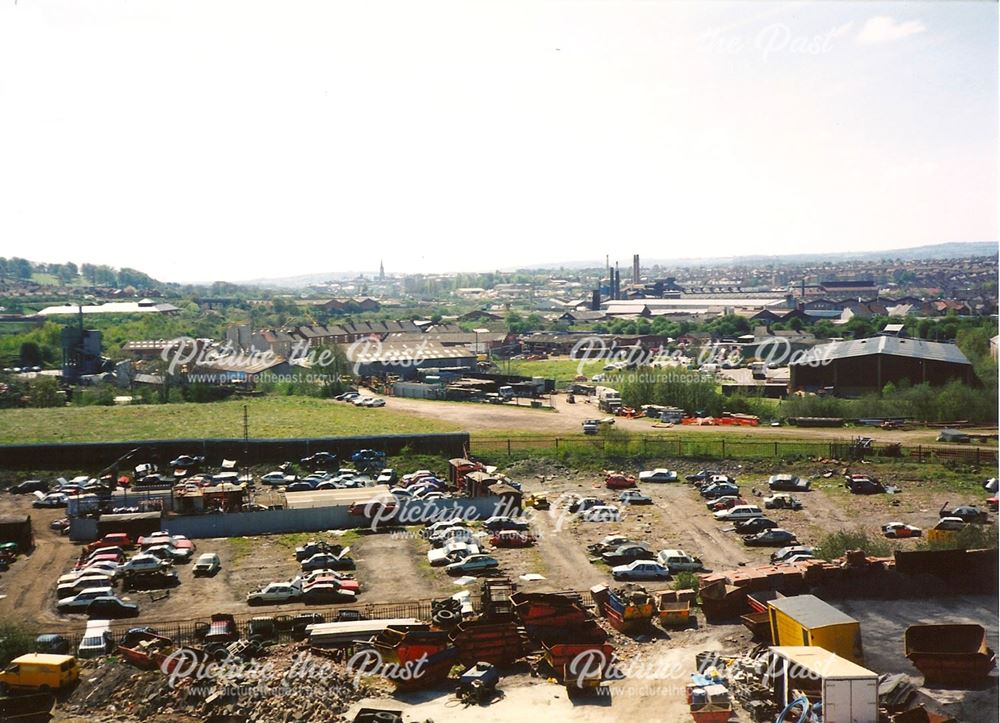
216, 139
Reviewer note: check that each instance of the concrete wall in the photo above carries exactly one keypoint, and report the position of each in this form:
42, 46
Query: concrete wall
82, 529
93, 456
314, 519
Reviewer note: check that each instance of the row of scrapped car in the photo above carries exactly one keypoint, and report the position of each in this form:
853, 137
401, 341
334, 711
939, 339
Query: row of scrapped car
367, 467
323, 578
749, 520
460, 549
144, 564
632, 561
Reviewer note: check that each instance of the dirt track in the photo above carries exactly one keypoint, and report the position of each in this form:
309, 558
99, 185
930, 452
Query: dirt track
564, 418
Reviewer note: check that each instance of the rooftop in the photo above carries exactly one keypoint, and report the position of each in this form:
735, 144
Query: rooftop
144, 306
891, 345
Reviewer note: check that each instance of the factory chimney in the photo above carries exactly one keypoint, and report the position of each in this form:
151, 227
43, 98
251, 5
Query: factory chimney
635, 268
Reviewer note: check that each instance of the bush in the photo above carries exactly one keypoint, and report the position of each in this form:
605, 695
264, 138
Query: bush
970, 537
685, 580
835, 544
15, 640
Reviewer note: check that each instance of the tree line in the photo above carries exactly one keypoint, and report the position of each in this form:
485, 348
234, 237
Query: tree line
69, 273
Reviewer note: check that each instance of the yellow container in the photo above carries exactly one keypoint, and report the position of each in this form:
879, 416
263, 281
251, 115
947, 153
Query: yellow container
807, 620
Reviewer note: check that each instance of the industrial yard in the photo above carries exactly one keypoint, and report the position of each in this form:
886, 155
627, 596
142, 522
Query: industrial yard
391, 577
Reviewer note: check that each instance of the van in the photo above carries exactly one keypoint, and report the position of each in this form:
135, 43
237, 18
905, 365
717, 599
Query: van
40, 671
97, 640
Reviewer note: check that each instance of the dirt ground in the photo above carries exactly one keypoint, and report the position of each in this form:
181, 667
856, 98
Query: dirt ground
393, 567
883, 624
565, 418
655, 692
27, 589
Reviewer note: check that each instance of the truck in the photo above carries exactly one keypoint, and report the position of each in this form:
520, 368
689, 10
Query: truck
608, 400
672, 415
506, 393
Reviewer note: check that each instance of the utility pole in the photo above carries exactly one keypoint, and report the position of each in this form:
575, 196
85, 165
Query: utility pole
246, 439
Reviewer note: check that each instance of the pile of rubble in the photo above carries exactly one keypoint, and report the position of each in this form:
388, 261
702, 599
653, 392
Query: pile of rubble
287, 684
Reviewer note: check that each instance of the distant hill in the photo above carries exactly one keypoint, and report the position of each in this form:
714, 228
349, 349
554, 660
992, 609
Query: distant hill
952, 250
935, 251
301, 280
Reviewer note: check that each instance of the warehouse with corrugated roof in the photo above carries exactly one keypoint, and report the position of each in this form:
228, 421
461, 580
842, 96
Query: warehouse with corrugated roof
865, 365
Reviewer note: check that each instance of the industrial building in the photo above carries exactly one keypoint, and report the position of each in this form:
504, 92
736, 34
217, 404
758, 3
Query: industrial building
144, 306
404, 359
865, 365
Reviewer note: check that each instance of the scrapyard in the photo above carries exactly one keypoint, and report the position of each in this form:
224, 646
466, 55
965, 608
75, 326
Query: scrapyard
470, 590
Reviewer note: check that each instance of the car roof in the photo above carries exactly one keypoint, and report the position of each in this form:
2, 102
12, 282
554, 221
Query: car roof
42, 659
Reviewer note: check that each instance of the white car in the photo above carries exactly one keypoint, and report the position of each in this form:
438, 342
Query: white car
277, 478
97, 640
103, 567
69, 589
208, 563
144, 563
52, 499
159, 538
678, 561
660, 474
950, 524
603, 513
452, 552
72, 577
740, 512
170, 553
79, 602
440, 526
377, 403
641, 570
274, 593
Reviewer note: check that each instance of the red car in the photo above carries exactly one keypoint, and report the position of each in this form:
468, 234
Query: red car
726, 503
991, 503
112, 539
512, 538
619, 481
331, 577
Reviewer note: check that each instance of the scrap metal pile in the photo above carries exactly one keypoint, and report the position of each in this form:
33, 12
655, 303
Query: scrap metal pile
547, 630
724, 594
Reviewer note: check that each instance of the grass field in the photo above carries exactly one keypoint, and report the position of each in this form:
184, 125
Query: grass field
563, 370
269, 417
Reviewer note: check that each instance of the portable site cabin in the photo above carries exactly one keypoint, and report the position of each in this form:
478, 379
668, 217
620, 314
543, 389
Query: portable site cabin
807, 620
847, 692
17, 529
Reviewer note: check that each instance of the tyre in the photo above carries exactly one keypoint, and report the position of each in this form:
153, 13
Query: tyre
445, 617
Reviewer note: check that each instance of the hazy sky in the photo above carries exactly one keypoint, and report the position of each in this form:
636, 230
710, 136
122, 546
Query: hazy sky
210, 139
